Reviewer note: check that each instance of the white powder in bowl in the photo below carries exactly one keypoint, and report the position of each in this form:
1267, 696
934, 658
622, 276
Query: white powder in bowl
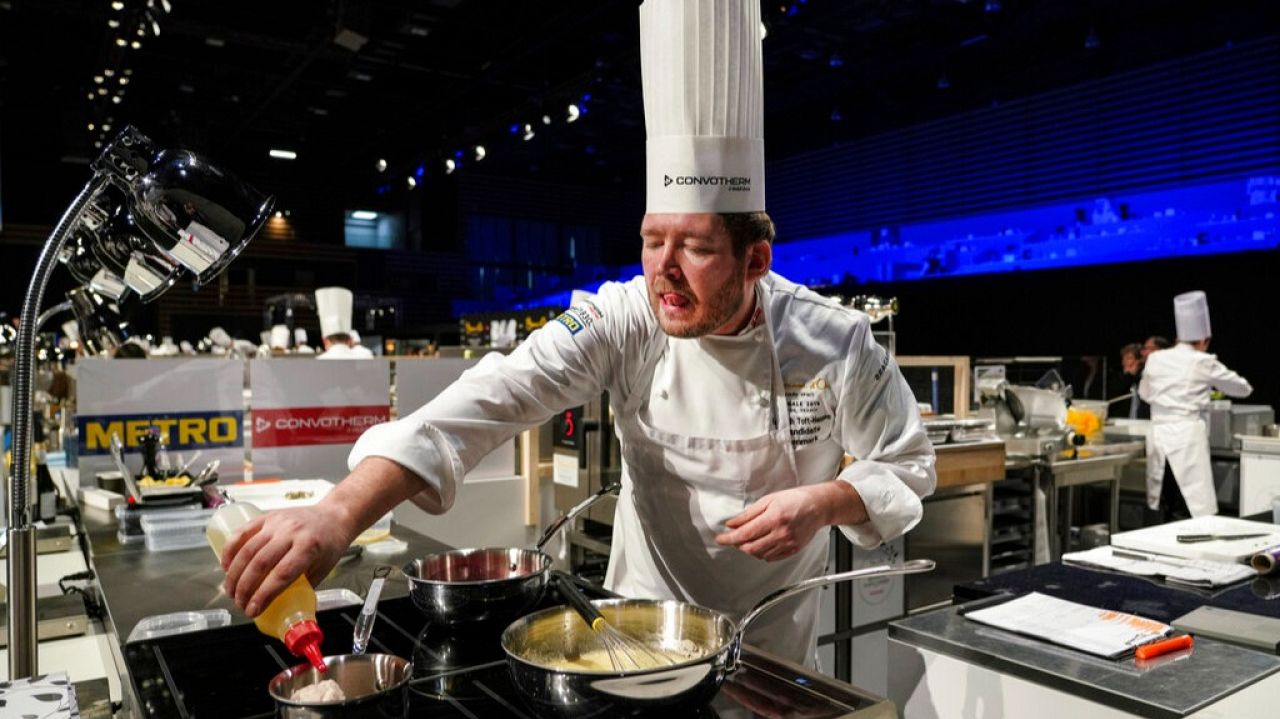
322, 691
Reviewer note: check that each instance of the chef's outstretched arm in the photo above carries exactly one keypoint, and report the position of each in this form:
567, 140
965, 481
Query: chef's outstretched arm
424, 456
1226, 380
268, 553
873, 500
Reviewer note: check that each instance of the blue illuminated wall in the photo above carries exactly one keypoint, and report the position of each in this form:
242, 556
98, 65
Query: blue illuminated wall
1177, 159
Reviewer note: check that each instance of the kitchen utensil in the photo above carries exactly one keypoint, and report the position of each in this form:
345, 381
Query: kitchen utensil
369, 612
375, 685
1196, 538
187, 464
533, 645
625, 653
472, 586
117, 454
208, 474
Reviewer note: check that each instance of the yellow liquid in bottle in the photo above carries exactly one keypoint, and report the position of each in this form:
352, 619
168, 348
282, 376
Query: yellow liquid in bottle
298, 600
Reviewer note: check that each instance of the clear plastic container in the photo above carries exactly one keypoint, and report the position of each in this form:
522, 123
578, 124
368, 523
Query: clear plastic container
176, 530
163, 625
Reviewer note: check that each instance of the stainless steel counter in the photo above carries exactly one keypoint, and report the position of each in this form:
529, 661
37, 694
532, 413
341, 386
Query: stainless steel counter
1211, 672
136, 583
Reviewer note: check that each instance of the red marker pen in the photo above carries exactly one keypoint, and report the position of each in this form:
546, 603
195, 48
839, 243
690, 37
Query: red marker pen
1155, 649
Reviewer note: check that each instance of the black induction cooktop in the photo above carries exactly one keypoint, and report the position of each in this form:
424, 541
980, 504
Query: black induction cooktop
223, 673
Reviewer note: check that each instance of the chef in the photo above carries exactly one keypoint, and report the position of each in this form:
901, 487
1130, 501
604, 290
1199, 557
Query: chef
737, 392
1177, 382
333, 304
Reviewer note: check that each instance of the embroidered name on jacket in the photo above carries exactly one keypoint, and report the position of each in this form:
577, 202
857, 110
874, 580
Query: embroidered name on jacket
807, 413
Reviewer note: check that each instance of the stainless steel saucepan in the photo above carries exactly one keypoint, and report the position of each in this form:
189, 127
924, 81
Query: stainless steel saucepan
472, 586
561, 668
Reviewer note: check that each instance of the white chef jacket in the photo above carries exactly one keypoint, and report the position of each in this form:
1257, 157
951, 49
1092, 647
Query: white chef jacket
828, 389
1177, 383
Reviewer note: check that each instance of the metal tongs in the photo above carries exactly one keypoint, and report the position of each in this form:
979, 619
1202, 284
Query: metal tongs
369, 612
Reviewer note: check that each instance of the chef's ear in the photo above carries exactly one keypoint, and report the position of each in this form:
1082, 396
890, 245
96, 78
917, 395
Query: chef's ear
759, 259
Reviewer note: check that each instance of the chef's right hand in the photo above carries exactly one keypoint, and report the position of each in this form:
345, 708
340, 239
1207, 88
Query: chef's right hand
271, 551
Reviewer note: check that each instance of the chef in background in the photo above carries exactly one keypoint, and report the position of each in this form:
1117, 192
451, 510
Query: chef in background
1177, 383
737, 392
333, 305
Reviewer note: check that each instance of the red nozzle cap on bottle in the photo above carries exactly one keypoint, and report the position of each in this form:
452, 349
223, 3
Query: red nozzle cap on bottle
303, 639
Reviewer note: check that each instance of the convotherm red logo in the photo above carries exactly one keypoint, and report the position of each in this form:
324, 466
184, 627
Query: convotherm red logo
305, 426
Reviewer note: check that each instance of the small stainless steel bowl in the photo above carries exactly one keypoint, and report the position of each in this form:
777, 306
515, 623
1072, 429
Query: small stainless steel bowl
376, 685
470, 586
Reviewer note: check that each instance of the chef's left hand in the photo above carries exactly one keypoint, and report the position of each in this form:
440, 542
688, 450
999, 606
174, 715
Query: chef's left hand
781, 524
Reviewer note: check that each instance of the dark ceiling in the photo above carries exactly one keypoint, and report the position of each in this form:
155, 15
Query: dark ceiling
412, 81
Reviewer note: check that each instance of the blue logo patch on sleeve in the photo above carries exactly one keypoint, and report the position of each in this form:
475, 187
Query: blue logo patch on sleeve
571, 322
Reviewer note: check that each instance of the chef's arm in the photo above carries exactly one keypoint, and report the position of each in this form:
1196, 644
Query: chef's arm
880, 427
552, 370
1227, 381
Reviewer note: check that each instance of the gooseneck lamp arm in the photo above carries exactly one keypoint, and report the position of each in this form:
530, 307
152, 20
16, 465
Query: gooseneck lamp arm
153, 214
22, 535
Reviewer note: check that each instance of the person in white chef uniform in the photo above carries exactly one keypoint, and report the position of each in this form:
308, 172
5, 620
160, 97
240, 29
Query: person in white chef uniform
737, 392
1178, 382
333, 305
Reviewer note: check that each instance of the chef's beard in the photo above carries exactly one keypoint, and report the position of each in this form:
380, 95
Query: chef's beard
715, 312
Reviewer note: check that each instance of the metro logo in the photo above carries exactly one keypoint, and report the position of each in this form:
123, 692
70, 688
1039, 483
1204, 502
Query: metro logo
185, 430
306, 426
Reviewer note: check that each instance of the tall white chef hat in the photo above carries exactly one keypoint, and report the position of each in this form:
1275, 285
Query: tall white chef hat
1191, 315
280, 337
333, 304
703, 110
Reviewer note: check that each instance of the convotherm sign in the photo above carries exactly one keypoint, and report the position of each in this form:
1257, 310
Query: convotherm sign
305, 414
310, 426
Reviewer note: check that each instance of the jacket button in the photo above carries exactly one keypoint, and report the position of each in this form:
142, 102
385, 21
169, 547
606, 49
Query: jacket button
764, 399
662, 394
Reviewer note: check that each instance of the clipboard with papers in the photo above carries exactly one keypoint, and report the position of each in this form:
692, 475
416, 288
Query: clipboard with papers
1101, 632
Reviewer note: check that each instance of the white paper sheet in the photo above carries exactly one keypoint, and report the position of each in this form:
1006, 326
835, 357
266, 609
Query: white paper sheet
1163, 539
1191, 572
1089, 629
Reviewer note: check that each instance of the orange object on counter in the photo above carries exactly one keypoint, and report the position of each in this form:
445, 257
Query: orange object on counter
1165, 646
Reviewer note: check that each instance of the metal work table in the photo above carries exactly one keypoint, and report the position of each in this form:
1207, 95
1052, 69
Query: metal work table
1211, 672
136, 583
1055, 475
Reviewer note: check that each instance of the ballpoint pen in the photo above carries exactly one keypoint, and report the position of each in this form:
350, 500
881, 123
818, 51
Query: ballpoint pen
1164, 646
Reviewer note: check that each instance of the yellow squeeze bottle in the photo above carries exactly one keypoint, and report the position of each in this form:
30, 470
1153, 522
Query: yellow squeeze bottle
291, 616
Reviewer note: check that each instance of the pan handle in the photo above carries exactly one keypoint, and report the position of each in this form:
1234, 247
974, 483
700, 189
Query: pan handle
915, 566
578, 509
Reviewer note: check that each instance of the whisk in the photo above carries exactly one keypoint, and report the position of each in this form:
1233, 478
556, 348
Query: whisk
626, 653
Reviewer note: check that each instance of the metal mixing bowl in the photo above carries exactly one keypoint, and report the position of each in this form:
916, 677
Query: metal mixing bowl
376, 685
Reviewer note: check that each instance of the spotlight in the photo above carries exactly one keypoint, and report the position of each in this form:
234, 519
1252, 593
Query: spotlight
117, 5
381, 164
279, 215
574, 113
480, 153
528, 132
121, 42
113, 23
124, 81
364, 215
102, 91
546, 119
98, 79
135, 45
106, 127
115, 99
91, 126
412, 183
450, 166
283, 154
110, 73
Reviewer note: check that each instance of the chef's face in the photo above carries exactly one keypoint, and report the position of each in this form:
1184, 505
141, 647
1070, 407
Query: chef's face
1130, 363
697, 285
